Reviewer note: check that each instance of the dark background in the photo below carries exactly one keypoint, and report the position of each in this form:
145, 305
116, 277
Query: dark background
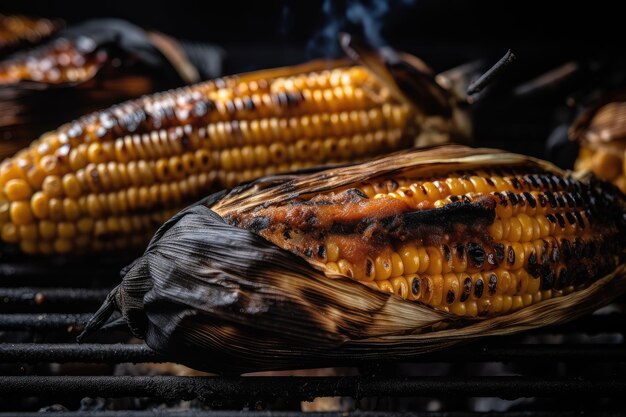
445, 33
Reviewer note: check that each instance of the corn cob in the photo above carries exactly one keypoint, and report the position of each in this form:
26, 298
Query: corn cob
511, 236
601, 131
109, 179
18, 31
424, 249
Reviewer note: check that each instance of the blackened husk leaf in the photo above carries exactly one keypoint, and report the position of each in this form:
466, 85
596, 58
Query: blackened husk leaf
220, 298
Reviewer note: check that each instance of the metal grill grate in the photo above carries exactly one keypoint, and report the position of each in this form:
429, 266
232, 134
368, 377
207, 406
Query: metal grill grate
583, 362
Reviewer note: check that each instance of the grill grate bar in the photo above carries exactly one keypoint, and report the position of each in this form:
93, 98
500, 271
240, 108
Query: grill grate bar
219, 389
137, 353
44, 297
221, 413
42, 321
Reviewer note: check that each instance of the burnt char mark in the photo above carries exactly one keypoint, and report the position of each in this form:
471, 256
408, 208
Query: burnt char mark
467, 289
480, 211
450, 297
499, 249
493, 284
579, 220
369, 267
566, 249
321, 252
510, 256
531, 200
308, 253
478, 288
415, 286
446, 253
460, 251
476, 254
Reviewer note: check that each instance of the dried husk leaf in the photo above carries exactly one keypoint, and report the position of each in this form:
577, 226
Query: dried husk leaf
220, 298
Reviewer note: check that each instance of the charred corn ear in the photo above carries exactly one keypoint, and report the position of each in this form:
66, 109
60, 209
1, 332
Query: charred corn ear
468, 241
601, 132
402, 255
108, 179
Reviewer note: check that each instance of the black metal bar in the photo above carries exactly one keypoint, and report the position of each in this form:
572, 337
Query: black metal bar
69, 299
72, 352
222, 413
120, 353
42, 321
209, 389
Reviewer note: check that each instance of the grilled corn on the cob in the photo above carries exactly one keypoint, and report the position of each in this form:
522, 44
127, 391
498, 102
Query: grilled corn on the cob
424, 249
109, 179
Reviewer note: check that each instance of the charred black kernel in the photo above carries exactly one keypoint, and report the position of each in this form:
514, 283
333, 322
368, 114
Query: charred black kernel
321, 251
521, 200
578, 248
499, 249
493, 283
392, 185
544, 181
308, 252
547, 279
532, 258
510, 256
454, 198
543, 201
478, 288
555, 254
248, 103
476, 253
230, 107
560, 200
532, 179
460, 251
560, 219
356, 192
450, 297
490, 181
516, 184
551, 200
566, 249
579, 219
592, 248
544, 255
446, 252
553, 179
467, 289
562, 280
562, 182
551, 218
512, 198
570, 217
578, 199
369, 267
531, 200
415, 286
570, 200
503, 201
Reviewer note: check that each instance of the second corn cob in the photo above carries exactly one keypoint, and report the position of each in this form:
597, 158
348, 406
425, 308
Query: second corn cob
109, 179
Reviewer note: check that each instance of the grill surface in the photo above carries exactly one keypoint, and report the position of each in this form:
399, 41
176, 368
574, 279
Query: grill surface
581, 365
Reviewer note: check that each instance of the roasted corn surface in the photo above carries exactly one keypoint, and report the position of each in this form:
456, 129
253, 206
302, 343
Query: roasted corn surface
602, 136
108, 180
472, 242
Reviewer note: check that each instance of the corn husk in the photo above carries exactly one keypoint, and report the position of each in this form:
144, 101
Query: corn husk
220, 298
